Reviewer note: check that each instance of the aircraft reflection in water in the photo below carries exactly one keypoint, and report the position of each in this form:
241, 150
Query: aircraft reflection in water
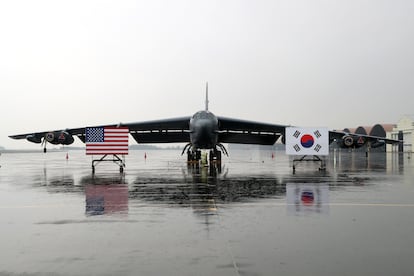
375, 161
104, 195
203, 188
352, 161
202, 192
186, 191
304, 194
203, 197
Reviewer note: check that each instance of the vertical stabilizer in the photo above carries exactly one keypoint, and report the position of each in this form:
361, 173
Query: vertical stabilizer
206, 96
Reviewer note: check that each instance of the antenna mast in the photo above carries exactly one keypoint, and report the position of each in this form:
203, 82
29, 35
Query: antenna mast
206, 96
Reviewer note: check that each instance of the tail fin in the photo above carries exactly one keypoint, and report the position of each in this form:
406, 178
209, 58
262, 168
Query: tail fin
206, 96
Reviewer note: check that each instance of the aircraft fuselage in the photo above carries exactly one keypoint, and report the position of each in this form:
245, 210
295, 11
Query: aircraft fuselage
204, 130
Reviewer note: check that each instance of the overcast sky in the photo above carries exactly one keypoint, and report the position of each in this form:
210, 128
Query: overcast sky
66, 64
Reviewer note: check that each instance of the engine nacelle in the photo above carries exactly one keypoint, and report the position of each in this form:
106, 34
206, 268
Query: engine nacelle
351, 141
377, 144
59, 138
34, 138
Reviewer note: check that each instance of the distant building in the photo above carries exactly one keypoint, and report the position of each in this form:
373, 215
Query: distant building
404, 130
379, 130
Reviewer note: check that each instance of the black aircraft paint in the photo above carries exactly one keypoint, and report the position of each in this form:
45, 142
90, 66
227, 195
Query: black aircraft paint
202, 131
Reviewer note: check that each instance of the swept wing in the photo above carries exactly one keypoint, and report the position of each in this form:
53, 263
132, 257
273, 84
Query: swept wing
346, 139
230, 130
156, 131
248, 132
176, 130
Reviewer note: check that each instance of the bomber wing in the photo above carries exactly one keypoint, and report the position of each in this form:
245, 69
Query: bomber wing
24, 136
354, 139
248, 132
156, 131
37, 137
175, 130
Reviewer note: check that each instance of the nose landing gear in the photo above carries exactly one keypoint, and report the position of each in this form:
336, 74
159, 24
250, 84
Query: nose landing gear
196, 158
193, 156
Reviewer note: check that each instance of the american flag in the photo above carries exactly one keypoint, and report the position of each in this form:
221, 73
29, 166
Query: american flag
106, 140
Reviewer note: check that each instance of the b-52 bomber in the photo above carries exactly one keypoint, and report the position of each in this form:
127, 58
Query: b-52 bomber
202, 131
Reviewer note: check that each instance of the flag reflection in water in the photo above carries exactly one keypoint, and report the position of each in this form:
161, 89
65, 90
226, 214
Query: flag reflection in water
106, 199
307, 198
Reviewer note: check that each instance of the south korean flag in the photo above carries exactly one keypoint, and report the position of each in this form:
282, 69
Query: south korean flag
307, 141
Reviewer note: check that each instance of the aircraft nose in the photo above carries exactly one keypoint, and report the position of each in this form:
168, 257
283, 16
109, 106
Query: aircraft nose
204, 134
203, 127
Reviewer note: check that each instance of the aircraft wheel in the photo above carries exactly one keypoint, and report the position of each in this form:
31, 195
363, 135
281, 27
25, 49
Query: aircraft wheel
211, 156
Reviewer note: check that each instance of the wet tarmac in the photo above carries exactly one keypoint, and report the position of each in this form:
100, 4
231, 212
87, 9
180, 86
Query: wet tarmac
253, 216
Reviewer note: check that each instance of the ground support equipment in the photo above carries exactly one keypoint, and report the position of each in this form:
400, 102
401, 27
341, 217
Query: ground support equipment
115, 159
315, 158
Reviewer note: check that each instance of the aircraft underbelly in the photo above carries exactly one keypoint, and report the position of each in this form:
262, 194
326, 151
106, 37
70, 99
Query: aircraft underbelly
206, 141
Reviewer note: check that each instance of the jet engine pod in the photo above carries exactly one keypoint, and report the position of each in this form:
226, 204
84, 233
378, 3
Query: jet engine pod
34, 138
351, 141
348, 141
65, 138
50, 137
59, 137
377, 144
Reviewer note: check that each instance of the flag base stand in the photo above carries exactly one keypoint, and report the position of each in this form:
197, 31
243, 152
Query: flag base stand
115, 159
315, 158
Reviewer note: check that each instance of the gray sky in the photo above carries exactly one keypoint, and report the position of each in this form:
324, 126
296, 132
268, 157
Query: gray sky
66, 64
